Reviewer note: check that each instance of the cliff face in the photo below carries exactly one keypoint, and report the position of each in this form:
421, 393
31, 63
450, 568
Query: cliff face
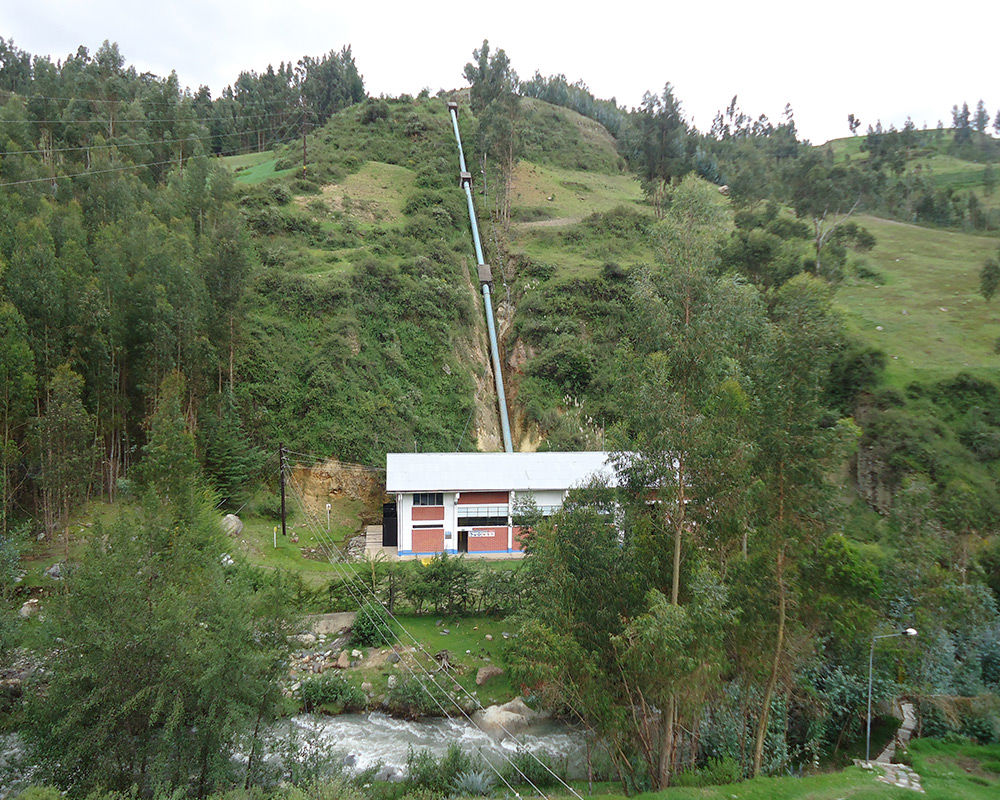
871, 478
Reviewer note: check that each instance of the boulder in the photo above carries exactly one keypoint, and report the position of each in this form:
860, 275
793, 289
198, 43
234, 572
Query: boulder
232, 525
343, 660
392, 658
356, 654
306, 639
485, 673
508, 719
55, 571
391, 681
366, 687
30, 608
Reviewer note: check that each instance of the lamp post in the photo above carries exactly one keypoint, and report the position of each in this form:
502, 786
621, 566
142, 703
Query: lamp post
871, 661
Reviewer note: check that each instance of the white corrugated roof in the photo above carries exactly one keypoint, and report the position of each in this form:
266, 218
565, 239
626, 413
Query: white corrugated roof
483, 472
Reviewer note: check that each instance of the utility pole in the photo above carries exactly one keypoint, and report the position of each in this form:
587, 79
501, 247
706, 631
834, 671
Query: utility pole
304, 147
281, 471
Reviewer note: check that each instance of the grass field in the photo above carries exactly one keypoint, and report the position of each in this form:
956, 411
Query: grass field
947, 771
574, 193
373, 194
254, 167
926, 301
551, 202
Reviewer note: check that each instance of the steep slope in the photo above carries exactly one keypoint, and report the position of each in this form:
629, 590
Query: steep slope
361, 333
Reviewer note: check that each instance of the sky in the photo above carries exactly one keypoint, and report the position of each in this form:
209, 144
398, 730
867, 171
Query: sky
878, 59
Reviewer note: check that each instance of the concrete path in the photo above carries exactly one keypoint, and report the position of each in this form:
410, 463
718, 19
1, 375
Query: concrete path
899, 774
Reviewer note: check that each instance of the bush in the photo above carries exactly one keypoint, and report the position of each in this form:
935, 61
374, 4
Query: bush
374, 110
716, 772
413, 700
473, 784
371, 628
426, 772
331, 689
536, 767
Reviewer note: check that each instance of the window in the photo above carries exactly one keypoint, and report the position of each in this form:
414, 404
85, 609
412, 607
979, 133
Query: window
428, 499
483, 522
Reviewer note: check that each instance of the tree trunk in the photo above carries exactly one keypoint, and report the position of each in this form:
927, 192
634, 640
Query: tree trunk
758, 751
666, 744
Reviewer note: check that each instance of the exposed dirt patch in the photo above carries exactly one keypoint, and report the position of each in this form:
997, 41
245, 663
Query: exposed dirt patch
334, 482
558, 222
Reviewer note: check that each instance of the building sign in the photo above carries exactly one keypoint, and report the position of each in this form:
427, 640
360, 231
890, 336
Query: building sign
481, 534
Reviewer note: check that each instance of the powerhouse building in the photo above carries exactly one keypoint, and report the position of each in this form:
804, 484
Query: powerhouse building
464, 502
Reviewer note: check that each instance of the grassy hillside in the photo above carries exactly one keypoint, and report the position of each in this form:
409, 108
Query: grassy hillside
920, 302
936, 158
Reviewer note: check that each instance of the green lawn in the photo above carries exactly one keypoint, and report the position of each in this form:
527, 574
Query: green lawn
947, 772
933, 321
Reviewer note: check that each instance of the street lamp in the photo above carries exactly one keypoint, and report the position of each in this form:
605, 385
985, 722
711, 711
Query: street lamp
871, 661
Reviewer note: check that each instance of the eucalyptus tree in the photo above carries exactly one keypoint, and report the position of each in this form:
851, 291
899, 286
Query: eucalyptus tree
168, 658
17, 390
796, 448
687, 444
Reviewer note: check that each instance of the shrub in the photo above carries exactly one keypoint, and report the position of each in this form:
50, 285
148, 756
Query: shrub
535, 767
371, 628
331, 689
374, 110
426, 772
716, 772
475, 784
413, 700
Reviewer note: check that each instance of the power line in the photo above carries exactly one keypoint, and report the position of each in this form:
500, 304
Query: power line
126, 121
121, 144
26, 181
363, 603
419, 645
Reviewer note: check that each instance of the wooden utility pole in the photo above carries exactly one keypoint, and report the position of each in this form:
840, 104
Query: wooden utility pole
281, 471
305, 127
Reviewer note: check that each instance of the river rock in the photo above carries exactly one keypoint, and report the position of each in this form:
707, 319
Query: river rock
508, 719
343, 660
485, 673
232, 525
30, 608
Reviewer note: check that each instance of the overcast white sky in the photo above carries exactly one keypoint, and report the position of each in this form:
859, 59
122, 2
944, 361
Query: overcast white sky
878, 59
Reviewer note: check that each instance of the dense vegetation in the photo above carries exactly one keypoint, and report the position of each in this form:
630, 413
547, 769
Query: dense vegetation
166, 317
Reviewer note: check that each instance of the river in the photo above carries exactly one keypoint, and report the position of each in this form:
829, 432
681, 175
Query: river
366, 740
363, 741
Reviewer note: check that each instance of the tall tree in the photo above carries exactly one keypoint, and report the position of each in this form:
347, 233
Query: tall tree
64, 444
989, 278
793, 454
982, 118
493, 97
688, 412
825, 194
168, 660
17, 390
